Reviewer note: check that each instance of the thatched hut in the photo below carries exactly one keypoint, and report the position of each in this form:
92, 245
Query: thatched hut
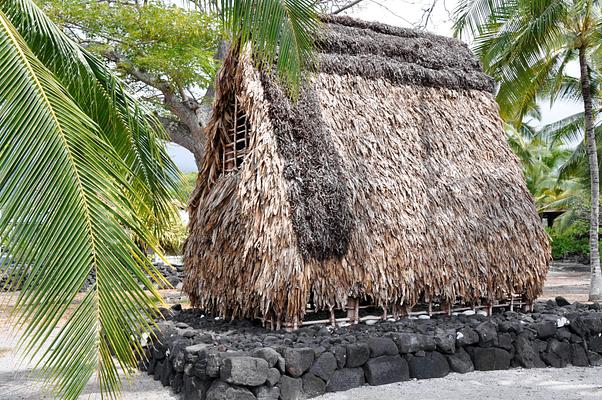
389, 179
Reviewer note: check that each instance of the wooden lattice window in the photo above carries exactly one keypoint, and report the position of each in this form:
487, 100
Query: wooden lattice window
237, 140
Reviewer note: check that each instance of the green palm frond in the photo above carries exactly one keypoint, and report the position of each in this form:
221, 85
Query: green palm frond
124, 123
281, 32
568, 130
68, 207
471, 15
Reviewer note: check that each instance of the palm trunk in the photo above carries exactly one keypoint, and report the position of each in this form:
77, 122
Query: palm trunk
595, 289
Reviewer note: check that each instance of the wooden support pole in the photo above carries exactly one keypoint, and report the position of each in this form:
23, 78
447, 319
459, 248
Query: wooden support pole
333, 320
395, 312
384, 317
353, 310
527, 304
430, 309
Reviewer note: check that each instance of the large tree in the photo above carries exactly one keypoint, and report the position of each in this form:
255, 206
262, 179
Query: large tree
168, 53
526, 45
82, 168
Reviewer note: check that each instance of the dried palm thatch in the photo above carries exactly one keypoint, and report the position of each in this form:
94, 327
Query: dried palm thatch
389, 178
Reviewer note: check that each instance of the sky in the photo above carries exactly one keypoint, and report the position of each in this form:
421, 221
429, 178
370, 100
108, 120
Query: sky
406, 13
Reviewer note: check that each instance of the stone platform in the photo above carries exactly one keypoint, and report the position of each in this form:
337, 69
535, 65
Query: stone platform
208, 358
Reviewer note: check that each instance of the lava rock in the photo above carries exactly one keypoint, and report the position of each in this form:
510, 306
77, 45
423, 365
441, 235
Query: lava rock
579, 356
266, 393
525, 355
166, 371
312, 385
298, 361
386, 369
291, 388
357, 355
220, 390
273, 377
563, 334
407, 343
268, 354
561, 301
345, 379
340, 353
545, 329
553, 360
446, 341
177, 383
460, 361
490, 358
595, 344
593, 323
432, 365
594, 359
246, 371
466, 336
505, 341
577, 326
195, 388
561, 349
487, 334
381, 346
325, 365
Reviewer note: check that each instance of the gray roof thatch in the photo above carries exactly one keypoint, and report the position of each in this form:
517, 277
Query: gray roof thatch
389, 178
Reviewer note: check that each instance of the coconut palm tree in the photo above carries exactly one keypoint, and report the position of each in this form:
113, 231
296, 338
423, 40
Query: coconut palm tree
83, 172
526, 45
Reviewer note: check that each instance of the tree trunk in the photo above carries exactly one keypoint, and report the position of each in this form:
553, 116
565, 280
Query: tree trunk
595, 289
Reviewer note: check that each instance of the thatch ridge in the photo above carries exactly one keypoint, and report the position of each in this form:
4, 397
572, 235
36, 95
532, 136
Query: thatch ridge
403, 56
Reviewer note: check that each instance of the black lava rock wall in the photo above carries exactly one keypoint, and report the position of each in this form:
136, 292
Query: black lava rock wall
209, 359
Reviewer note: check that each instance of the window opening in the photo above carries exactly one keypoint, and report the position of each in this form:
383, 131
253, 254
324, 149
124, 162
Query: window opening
237, 140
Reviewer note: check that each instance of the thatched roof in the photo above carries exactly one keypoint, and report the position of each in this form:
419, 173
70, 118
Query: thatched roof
389, 178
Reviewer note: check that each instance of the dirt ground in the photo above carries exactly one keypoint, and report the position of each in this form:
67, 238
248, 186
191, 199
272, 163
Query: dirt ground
568, 280
517, 384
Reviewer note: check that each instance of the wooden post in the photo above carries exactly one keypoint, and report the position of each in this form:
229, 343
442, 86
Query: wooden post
333, 320
384, 317
395, 312
489, 309
511, 302
430, 309
527, 304
353, 310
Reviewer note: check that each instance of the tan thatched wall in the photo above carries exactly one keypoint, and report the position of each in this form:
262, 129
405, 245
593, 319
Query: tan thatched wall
367, 186
440, 205
241, 258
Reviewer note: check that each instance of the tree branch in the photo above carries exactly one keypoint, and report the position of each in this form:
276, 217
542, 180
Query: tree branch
347, 6
178, 132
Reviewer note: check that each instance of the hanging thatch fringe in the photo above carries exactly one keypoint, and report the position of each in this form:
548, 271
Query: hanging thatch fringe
398, 190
